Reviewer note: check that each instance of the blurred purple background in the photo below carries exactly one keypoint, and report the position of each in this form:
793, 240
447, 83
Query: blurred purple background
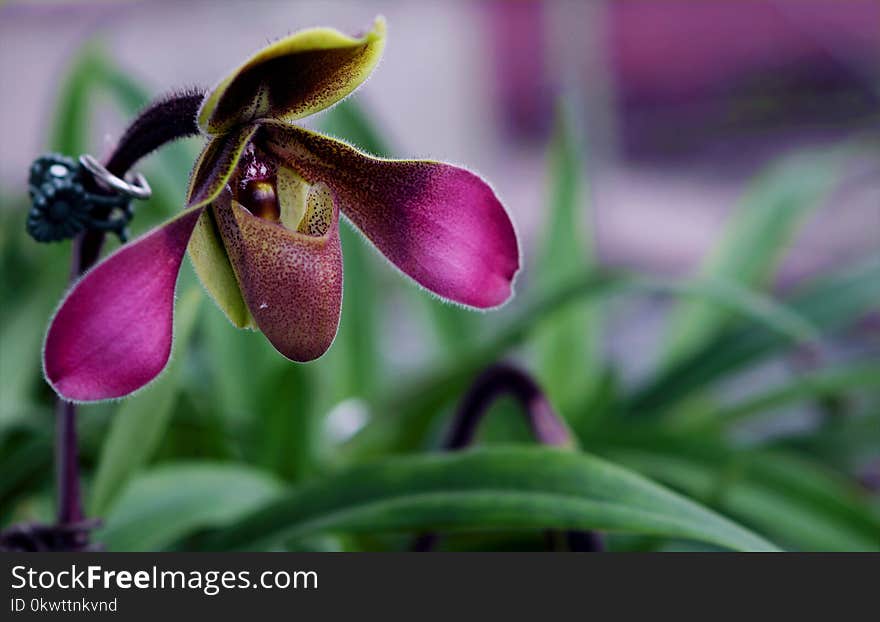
681, 102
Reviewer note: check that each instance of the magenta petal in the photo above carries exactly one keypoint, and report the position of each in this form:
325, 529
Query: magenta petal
440, 224
112, 333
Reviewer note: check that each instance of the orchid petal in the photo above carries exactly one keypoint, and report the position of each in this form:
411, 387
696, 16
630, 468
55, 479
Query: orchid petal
292, 78
216, 164
440, 224
112, 333
291, 281
210, 176
209, 259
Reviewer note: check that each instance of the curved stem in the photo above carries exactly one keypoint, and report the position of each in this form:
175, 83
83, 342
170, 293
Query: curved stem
165, 120
547, 428
499, 380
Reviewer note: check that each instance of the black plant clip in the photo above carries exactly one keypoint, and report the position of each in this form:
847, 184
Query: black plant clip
69, 198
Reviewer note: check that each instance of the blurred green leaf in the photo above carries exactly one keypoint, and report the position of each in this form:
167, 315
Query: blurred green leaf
238, 364
795, 501
408, 414
828, 303
409, 410
128, 94
739, 302
171, 501
251, 401
140, 421
502, 488
29, 290
599, 407
287, 428
848, 444
350, 122
755, 240
69, 133
24, 462
20, 356
569, 339
823, 382
355, 359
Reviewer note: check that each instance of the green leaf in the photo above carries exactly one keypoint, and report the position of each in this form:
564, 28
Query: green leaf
140, 421
249, 400
569, 339
237, 366
408, 413
820, 383
172, 501
128, 94
411, 412
828, 303
32, 278
848, 444
734, 300
286, 429
795, 501
502, 488
762, 227
20, 356
24, 462
348, 121
353, 363
69, 134
455, 328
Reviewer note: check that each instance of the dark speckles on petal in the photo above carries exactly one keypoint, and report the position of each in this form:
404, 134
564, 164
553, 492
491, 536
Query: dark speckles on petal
319, 212
292, 283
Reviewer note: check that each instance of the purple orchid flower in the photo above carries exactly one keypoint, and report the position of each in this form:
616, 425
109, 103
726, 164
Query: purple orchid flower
262, 226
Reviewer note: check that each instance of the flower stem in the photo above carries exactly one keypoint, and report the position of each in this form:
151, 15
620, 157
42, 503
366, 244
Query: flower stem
163, 121
498, 380
69, 503
547, 428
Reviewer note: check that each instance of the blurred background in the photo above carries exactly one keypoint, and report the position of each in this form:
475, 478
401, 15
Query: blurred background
697, 191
